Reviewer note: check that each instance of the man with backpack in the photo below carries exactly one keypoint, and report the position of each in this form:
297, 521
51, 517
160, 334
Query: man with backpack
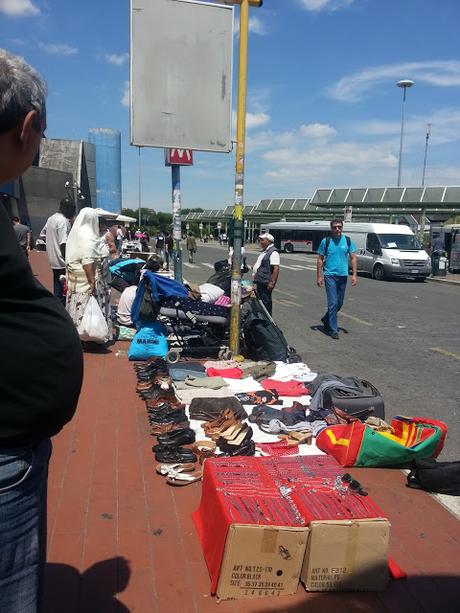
332, 271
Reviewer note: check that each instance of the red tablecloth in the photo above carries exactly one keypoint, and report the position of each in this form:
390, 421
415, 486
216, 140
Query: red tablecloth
272, 491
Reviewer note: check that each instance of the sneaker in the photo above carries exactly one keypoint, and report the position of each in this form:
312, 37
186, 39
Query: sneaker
335, 335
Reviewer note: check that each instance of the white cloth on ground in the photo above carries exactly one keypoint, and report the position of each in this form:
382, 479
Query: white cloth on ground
248, 384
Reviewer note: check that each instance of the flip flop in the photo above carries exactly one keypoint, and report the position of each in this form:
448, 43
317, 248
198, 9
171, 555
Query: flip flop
165, 469
184, 478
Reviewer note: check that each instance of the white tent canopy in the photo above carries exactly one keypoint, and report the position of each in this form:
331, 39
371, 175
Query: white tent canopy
125, 218
107, 214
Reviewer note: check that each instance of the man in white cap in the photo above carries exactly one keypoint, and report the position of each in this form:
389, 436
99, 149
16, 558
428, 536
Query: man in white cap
266, 270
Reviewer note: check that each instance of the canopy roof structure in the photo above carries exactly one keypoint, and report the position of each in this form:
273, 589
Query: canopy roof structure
381, 202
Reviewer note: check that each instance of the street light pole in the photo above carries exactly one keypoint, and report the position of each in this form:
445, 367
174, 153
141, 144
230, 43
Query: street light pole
427, 138
139, 189
404, 84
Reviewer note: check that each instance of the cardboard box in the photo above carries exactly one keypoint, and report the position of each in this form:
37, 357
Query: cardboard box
347, 555
261, 561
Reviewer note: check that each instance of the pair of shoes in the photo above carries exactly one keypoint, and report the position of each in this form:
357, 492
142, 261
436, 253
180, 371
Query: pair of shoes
172, 404
334, 335
171, 455
248, 449
172, 426
325, 322
238, 438
175, 439
165, 469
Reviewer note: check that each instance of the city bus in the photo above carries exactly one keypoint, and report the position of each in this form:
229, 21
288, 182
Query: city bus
297, 236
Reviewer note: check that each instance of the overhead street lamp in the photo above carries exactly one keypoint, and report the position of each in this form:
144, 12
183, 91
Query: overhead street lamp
404, 84
427, 138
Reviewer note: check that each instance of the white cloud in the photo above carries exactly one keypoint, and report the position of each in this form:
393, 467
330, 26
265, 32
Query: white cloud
437, 73
57, 48
253, 120
315, 6
19, 8
255, 25
317, 130
117, 59
125, 97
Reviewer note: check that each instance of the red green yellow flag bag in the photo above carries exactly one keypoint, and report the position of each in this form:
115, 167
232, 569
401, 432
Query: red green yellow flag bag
356, 444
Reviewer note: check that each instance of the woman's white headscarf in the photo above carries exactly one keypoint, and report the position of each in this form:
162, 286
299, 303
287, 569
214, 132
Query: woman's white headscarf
83, 238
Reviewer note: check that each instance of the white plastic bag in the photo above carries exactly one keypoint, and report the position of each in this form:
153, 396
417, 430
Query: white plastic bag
93, 326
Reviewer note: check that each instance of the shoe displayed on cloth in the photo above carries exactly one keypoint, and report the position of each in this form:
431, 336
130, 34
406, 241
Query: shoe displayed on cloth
242, 438
156, 429
246, 450
175, 455
204, 450
176, 438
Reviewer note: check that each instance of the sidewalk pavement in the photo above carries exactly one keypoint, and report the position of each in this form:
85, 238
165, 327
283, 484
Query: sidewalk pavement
121, 540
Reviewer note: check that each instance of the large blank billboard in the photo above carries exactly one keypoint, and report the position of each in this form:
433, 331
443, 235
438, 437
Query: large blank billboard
181, 74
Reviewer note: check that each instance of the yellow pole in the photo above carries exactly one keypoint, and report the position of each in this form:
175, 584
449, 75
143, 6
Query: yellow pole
239, 179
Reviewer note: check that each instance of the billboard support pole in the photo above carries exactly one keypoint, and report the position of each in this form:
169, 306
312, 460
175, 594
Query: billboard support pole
177, 228
239, 180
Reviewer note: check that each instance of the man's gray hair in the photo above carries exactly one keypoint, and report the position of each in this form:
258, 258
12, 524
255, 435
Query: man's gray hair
22, 90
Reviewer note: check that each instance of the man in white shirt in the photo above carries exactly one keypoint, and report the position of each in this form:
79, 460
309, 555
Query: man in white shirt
266, 270
55, 232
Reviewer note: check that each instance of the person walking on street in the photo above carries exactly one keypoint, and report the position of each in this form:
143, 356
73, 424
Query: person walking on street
191, 247
42, 369
266, 270
119, 238
169, 249
55, 232
23, 234
332, 271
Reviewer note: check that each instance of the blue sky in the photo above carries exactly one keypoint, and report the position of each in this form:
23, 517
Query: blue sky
323, 106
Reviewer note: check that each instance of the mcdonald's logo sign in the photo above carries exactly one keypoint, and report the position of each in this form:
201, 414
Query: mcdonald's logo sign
181, 157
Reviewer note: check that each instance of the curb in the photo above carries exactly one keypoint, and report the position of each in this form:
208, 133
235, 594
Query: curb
441, 280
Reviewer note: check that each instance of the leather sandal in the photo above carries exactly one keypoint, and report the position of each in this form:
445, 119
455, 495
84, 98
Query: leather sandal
204, 450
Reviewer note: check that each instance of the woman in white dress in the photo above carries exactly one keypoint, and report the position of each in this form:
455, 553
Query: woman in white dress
87, 255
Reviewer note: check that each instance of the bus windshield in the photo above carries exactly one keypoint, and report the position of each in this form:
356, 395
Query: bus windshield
399, 241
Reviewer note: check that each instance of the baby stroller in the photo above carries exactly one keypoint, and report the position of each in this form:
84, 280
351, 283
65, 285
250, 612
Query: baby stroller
197, 329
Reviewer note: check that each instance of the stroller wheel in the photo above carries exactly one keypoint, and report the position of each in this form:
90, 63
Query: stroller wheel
225, 354
173, 356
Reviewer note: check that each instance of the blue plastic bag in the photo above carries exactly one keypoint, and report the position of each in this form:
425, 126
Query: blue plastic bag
149, 341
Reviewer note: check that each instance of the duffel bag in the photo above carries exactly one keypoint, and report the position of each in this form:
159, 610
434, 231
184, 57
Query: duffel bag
433, 476
356, 444
362, 402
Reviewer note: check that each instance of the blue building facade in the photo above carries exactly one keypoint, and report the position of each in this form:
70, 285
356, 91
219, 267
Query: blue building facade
107, 143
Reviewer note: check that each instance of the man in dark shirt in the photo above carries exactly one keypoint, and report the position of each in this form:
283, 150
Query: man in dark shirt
23, 234
41, 360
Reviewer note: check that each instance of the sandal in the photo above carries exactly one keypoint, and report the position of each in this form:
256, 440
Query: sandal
184, 478
204, 450
165, 469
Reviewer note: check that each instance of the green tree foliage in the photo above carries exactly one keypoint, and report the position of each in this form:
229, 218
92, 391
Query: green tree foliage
151, 221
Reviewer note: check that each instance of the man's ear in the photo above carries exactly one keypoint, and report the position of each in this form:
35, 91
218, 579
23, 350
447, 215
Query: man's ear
27, 130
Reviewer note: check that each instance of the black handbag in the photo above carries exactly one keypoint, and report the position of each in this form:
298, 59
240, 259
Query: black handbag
362, 402
433, 476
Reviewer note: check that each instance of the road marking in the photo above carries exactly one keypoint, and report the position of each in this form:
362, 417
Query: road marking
208, 265
357, 319
190, 265
288, 267
448, 354
285, 302
283, 291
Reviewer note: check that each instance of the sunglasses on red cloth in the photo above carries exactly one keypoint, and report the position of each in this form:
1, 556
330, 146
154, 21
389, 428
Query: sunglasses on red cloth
353, 485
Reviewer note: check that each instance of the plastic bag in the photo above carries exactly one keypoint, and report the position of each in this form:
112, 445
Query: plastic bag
93, 326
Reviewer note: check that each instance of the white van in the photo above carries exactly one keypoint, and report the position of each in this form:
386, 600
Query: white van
388, 250
383, 250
